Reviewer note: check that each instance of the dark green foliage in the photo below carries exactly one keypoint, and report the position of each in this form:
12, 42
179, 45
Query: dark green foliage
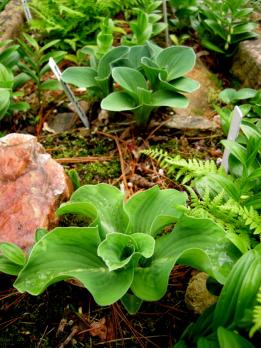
225, 23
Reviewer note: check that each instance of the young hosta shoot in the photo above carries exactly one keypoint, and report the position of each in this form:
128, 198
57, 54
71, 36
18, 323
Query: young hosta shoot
125, 252
159, 82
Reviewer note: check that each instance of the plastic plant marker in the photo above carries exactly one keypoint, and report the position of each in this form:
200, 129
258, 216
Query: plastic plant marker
232, 134
27, 11
55, 69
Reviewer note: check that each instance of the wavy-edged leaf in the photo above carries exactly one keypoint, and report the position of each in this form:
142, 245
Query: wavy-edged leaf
71, 252
199, 243
153, 209
118, 249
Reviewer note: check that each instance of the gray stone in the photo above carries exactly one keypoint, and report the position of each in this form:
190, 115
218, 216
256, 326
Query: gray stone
191, 122
62, 122
247, 63
197, 297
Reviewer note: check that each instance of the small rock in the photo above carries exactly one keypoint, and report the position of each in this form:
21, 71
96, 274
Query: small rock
197, 297
61, 122
191, 122
32, 186
247, 63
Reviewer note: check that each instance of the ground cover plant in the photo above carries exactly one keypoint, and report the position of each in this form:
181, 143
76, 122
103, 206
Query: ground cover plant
135, 231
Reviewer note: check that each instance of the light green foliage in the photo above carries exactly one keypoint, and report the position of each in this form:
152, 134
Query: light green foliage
36, 65
12, 258
8, 85
124, 253
225, 23
249, 101
256, 315
146, 26
221, 324
184, 170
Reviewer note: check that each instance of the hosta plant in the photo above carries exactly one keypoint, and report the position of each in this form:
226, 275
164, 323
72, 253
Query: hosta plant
158, 81
125, 253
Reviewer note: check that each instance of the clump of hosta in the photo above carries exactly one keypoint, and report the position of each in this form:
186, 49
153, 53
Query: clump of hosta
125, 253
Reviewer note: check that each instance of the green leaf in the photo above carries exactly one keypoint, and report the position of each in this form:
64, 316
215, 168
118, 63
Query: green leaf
118, 249
80, 76
51, 85
71, 252
170, 99
129, 79
5, 96
153, 209
6, 77
237, 150
8, 267
13, 253
21, 106
103, 69
238, 296
177, 61
103, 205
211, 46
118, 101
48, 45
131, 302
227, 338
244, 28
195, 242
182, 84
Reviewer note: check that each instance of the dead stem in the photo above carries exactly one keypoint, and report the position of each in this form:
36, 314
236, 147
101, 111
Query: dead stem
86, 159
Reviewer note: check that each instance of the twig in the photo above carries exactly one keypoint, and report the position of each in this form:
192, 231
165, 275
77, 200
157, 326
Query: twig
83, 159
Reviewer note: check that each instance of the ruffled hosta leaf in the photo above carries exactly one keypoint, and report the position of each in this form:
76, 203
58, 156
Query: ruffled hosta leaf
80, 76
177, 61
102, 203
238, 296
118, 101
199, 243
227, 338
71, 252
167, 98
153, 209
119, 249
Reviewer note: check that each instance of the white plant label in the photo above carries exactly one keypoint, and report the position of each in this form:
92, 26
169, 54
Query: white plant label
77, 107
27, 11
232, 134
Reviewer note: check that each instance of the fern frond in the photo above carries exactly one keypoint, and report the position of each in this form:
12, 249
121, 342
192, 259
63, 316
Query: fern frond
184, 169
256, 315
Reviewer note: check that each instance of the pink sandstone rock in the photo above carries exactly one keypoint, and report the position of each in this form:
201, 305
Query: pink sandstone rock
32, 186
